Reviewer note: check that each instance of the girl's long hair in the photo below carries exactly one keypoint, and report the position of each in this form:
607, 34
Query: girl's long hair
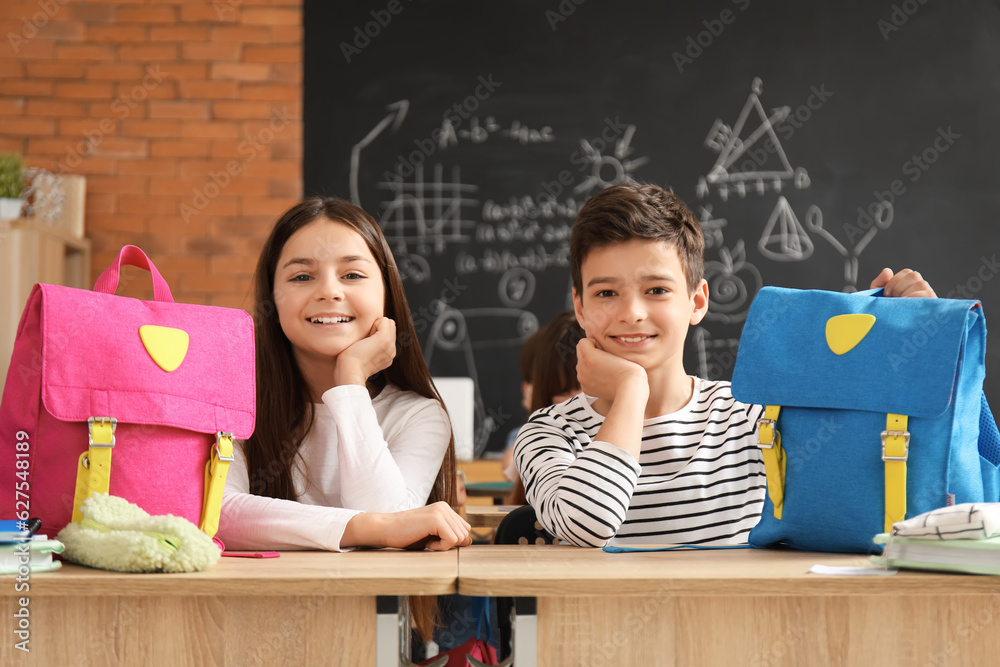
284, 406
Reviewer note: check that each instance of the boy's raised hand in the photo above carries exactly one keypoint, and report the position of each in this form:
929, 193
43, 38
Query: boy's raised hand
602, 374
366, 357
905, 283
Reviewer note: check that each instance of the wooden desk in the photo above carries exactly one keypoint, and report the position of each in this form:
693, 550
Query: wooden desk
304, 608
495, 490
738, 607
486, 516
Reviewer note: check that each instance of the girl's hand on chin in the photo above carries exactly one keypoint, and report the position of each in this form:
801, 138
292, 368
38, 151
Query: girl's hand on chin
368, 356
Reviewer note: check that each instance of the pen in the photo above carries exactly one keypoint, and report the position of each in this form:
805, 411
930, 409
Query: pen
34, 524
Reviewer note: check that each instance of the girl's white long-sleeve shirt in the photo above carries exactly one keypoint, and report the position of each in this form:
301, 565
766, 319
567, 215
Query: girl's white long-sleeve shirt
362, 454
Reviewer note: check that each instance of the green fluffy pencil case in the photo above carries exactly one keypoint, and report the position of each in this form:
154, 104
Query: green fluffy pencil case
115, 534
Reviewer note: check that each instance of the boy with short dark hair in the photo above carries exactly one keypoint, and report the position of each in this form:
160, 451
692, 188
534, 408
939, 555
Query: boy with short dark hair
647, 453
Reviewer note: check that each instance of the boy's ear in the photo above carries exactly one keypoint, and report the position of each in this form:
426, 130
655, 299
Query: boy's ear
699, 302
578, 309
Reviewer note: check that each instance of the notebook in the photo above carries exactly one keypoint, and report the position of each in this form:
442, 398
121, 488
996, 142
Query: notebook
970, 556
40, 550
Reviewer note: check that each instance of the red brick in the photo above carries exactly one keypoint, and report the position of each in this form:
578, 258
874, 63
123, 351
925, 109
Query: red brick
212, 12
151, 128
119, 184
85, 51
122, 147
91, 165
84, 90
182, 110
175, 186
154, 167
192, 283
28, 88
56, 108
290, 149
61, 30
207, 245
265, 205
146, 15
114, 71
208, 90
27, 126
100, 202
11, 68
31, 49
241, 71
286, 34
272, 92
184, 71
212, 51
210, 130
178, 148
86, 12
241, 110
55, 69
148, 52
46, 146
127, 33
241, 34
271, 17
11, 106
178, 33
147, 204
273, 168
74, 127
12, 145
287, 73
147, 89
272, 54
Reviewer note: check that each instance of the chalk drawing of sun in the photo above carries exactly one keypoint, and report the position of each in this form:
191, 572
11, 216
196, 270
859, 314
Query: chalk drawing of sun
607, 170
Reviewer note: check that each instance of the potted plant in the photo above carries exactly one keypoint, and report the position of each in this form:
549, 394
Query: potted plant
11, 185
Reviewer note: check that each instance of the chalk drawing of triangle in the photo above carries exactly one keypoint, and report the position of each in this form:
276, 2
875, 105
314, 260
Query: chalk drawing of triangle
784, 239
737, 146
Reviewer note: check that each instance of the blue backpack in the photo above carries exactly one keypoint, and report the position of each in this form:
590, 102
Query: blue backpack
874, 412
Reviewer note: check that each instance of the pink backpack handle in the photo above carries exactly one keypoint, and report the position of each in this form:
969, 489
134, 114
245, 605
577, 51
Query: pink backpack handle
107, 282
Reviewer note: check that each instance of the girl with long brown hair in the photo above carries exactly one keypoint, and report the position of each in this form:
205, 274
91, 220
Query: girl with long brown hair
353, 445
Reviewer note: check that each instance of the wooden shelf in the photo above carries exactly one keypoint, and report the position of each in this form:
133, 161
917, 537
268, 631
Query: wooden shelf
34, 252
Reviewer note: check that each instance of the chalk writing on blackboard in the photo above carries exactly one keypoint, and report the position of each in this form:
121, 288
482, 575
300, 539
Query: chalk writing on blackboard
716, 357
397, 112
425, 216
608, 170
784, 239
756, 161
711, 227
732, 282
881, 220
450, 335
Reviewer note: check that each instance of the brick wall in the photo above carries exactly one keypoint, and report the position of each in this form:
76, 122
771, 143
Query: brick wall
185, 117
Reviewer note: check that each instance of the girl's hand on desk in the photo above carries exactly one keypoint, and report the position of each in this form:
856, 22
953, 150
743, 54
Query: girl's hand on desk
436, 526
366, 357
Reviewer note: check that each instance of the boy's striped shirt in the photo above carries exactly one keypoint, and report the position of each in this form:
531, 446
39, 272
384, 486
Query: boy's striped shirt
699, 480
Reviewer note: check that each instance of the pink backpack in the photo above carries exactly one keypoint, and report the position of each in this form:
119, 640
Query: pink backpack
139, 399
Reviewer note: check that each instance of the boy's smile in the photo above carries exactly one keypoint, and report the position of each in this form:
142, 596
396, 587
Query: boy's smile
636, 305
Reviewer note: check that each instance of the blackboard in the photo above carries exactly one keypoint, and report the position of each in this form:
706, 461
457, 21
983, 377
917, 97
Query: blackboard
475, 131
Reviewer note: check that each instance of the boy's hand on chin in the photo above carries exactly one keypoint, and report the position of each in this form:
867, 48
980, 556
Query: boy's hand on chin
602, 374
366, 357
